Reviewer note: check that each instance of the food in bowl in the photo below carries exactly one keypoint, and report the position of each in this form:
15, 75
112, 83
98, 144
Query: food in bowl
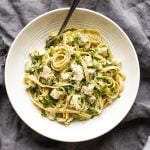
74, 77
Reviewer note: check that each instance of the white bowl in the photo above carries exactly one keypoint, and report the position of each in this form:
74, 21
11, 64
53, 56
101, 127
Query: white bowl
34, 36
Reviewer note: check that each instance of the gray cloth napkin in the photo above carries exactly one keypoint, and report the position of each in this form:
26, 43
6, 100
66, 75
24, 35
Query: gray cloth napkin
131, 134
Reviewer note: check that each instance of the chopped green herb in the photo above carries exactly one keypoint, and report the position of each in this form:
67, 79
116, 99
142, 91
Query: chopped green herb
101, 91
43, 113
69, 89
92, 110
78, 60
34, 89
83, 82
43, 80
83, 96
77, 39
119, 96
47, 101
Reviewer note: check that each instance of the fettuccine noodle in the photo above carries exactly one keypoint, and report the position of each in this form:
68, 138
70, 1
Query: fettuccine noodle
75, 77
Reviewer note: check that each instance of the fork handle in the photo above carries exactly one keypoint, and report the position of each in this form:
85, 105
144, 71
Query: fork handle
72, 8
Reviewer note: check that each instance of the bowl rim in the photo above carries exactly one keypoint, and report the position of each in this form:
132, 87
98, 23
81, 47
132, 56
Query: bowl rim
88, 11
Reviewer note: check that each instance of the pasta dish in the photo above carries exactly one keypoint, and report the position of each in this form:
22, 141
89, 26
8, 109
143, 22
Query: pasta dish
74, 77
